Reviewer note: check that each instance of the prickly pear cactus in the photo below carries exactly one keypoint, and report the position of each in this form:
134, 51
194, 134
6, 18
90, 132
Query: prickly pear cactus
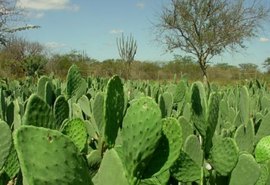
12, 166
246, 171
185, 169
38, 113
244, 137
49, 157
75, 129
76, 85
41, 86
224, 155
168, 150
114, 109
141, 132
262, 150
264, 129
166, 104
198, 104
60, 110
98, 110
111, 170
244, 105
5, 142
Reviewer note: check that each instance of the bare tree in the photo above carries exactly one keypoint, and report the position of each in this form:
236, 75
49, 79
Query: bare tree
205, 28
127, 48
10, 15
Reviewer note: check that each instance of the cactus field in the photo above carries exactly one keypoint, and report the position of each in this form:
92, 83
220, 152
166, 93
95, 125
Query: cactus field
95, 131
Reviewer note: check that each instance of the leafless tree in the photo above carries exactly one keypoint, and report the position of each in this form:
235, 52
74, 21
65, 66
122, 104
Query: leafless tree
10, 15
205, 28
127, 48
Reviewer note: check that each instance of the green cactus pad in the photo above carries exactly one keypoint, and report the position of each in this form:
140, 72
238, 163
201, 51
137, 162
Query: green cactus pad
262, 150
41, 86
38, 113
76, 85
264, 175
114, 109
166, 104
140, 133
160, 179
98, 110
111, 170
75, 129
198, 105
180, 92
187, 128
49, 94
49, 157
244, 105
168, 150
185, 169
212, 119
264, 129
244, 137
60, 110
5, 142
12, 166
246, 171
94, 159
224, 155
192, 148
85, 105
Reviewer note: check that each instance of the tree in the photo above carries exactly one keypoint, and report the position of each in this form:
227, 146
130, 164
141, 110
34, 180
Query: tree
10, 14
206, 28
127, 48
266, 64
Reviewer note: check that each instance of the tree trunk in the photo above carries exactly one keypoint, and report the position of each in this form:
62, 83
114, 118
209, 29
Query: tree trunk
204, 72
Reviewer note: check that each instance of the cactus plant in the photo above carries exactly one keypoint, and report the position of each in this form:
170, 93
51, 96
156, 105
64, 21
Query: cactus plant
38, 113
76, 85
56, 159
6, 142
224, 155
246, 171
140, 133
168, 150
114, 109
262, 150
75, 129
111, 161
60, 110
244, 137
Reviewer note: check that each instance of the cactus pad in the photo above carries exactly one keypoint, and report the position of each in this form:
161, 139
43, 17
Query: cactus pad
140, 133
38, 113
168, 150
246, 171
5, 142
224, 155
75, 129
61, 110
185, 169
262, 150
49, 157
114, 109
111, 170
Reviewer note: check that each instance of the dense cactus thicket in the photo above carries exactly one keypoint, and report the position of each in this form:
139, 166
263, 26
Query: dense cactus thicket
106, 131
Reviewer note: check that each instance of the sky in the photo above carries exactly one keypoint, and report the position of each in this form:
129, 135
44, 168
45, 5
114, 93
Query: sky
92, 26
